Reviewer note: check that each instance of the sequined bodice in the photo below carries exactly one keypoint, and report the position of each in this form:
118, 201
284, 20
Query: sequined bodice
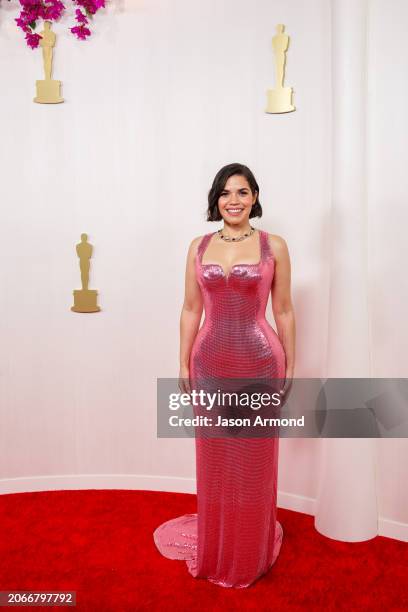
243, 292
236, 339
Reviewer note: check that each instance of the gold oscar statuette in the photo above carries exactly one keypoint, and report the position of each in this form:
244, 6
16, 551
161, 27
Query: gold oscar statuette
48, 90
280, 98
85, 299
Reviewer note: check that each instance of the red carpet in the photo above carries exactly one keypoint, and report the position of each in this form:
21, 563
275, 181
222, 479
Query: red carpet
99, 544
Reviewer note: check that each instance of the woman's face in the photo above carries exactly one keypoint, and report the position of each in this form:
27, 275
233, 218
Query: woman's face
236, 199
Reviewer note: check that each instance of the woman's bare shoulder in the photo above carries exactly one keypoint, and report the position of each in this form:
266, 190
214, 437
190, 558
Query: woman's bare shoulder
196, 241
193, 246
278, 245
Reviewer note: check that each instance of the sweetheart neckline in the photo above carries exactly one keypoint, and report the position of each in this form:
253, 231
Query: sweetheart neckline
218, 265
227, 275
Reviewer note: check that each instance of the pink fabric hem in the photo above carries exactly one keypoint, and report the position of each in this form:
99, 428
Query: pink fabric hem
177, 539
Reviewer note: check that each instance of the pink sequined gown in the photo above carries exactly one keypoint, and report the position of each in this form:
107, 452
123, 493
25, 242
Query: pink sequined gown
234, 538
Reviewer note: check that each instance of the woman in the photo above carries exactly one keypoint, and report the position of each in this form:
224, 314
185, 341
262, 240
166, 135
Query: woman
234, 538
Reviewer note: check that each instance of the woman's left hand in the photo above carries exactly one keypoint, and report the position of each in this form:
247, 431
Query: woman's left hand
284, 392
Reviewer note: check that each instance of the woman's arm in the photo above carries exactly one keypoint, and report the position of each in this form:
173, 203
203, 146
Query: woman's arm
282, 306
190, 315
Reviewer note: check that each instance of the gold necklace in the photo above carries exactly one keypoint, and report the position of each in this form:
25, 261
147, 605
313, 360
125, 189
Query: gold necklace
229, 239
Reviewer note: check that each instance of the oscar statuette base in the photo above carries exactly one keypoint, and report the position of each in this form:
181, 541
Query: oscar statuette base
48, 92
280, 100
85, 300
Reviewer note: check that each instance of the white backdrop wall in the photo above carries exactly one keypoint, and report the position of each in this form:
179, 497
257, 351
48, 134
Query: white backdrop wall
162, 95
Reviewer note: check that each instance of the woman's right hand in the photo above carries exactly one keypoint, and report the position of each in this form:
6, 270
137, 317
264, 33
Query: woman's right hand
184, 380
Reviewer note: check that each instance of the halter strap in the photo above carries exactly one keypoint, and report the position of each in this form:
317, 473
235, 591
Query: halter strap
202, 245
266, 250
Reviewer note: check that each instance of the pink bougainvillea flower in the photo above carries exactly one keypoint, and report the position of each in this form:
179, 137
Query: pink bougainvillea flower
27, 16
90, 6
80, 17
32, 40
22, 23
27, 4
52, 11
81, 32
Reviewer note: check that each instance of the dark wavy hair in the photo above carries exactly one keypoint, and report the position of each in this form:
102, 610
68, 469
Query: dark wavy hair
222, 176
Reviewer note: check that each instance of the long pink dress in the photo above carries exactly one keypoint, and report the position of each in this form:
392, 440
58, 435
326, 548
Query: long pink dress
234, 538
